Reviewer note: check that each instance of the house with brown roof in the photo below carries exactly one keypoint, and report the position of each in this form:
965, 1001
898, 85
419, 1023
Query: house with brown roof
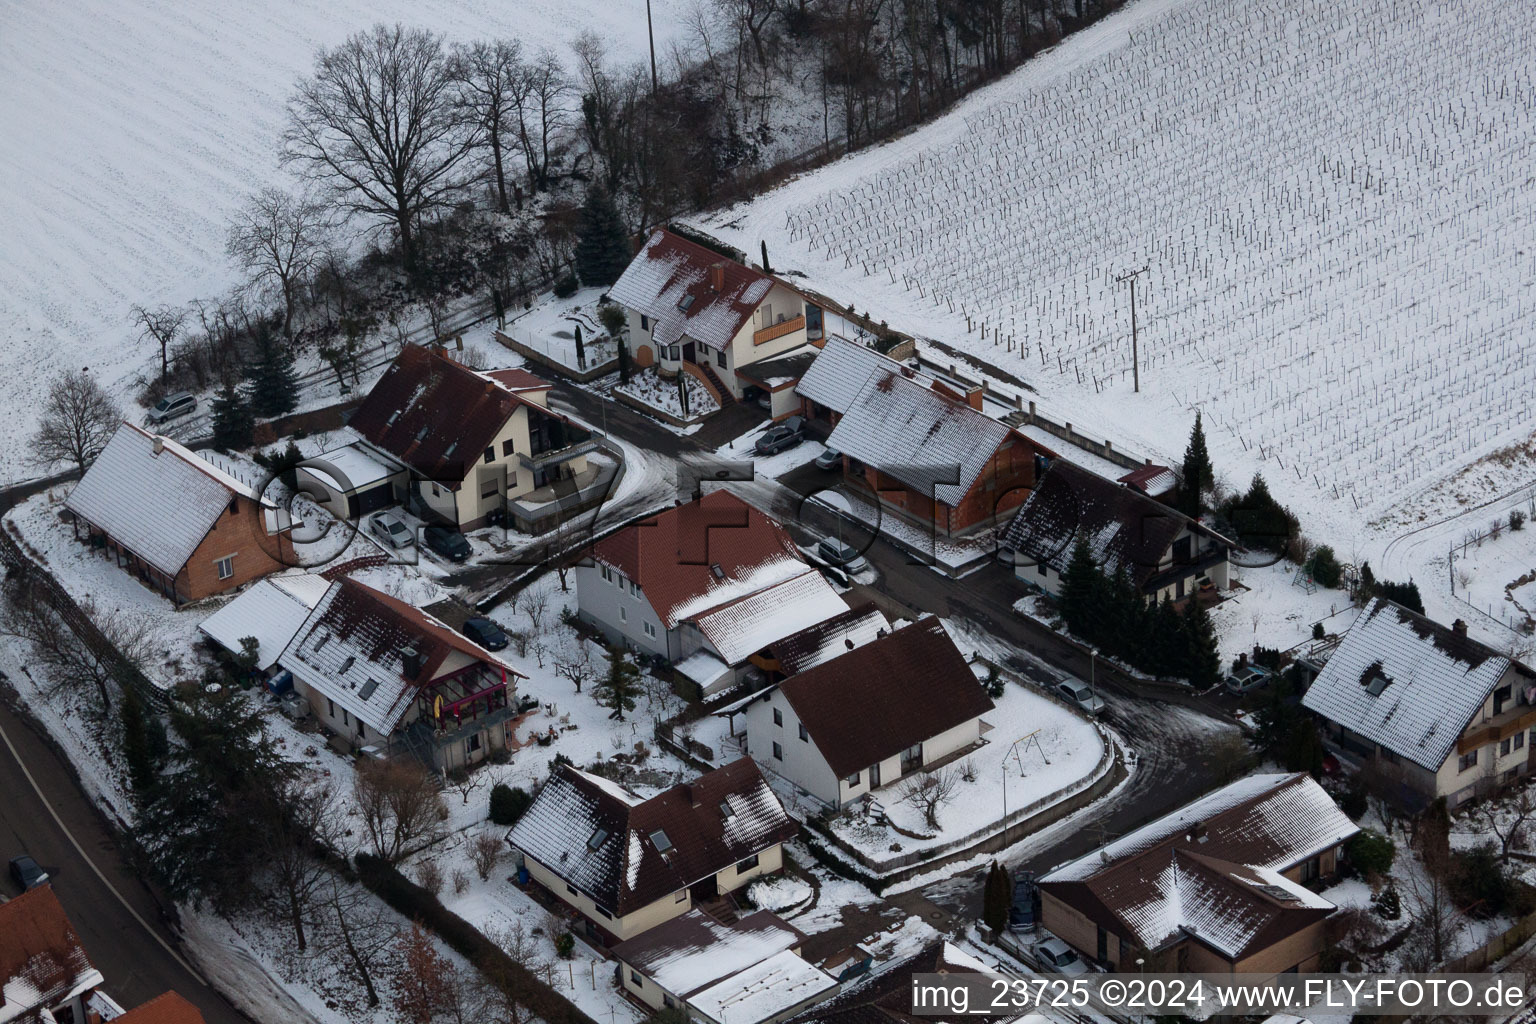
477, 446
1165, 553
167, 1008
902, 703
1437, 713
379, 672
1219, 885
708, 586
183, 524
627, 865
916, 445
693, 310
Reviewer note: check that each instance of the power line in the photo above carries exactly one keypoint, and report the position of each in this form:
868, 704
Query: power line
1135, 360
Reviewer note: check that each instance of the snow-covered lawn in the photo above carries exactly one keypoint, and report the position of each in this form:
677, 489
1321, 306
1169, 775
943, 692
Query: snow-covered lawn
1274, 612
1497, 574
1037, 753
549, 328
648, 388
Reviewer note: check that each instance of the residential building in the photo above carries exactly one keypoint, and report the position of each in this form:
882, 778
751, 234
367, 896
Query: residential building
902, 703
270, 611
693, 310
626, 865
747, 971
919, 447
1437, 713
44, 969
182, 524
886, 998
1218, 886
707, 585
378, 672
477, 447
350, 483
167, 1008
1166, 554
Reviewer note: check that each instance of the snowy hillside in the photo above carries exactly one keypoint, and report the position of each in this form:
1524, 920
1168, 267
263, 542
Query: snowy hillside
1334, 202
134, 127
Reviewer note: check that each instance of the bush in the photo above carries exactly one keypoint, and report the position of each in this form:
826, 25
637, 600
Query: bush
1323, 566
1517, 520
565, 945
508, 804
1386, 904
1353, 801
1479, 883
1370, 852
566, 286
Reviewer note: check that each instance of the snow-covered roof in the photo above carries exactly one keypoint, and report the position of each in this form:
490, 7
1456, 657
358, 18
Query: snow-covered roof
159, 506
685, 288
349, 468
349, 650
701, 555
695, 950
951, 955
840, 372
745, 625
42, 962
626, 855
1407, 683
933, 443
1213, 869
272, 611
765, 990
703, 667
830, 638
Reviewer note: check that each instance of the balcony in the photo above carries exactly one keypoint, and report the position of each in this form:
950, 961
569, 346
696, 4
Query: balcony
1512, 719
551, 456
779, 330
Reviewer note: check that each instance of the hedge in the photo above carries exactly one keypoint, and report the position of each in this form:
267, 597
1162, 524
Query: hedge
490, 959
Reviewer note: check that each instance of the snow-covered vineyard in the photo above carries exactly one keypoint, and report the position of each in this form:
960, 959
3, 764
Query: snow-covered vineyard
1329, 199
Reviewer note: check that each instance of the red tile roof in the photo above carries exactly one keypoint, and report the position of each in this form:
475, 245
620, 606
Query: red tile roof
673, 555
888, 695
166, 1008
435, 415
519, 379
688, 289
40, 951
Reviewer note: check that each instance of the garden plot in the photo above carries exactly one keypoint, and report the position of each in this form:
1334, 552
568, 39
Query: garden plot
549, 328
1495, 573
1328, 201
649, 389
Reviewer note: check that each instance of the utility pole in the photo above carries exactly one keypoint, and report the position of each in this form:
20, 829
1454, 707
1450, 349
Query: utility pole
651, 32
1135, 357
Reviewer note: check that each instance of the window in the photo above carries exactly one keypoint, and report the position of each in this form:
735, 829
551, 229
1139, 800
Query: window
226, 567
362, 730
623, 615
1503, 747
506, 449
489, 489
725, 810
650, 630
645, 322
660, 841
778, 717
1041, 569
571, 889
474, 743
634, 589
607, 574
490, 454
601, 912
746, 865
1466, 761
345, 718
682, 894
634, 976
668, 1001
853, 780
330, 708
778, 752
720, 358
804, 736
1311, 868
1519, 739
598, 835
686, 302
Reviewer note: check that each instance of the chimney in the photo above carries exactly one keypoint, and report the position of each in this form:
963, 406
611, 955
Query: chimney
717, 277
1459, 627
157, 445
410, 662
976, 397
693, 796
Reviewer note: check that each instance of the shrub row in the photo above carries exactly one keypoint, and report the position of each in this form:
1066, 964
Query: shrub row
490, 959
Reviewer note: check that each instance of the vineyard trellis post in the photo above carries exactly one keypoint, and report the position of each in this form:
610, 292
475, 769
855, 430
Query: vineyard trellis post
1135, 360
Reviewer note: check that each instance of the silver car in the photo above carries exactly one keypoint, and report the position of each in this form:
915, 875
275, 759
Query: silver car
172, 406
835, 552
392, 529
1055, 955
1079, 694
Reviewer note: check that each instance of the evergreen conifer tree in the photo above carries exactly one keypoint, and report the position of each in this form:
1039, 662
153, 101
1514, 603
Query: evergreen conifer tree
1202, 662
623, 363
997, 897
1199, 475
581, 352
233, 423
622, 685
1080, 589
274, 384
138, 749
602, 243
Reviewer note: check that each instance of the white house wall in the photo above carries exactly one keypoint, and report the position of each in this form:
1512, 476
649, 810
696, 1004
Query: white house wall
803, 764
621, 614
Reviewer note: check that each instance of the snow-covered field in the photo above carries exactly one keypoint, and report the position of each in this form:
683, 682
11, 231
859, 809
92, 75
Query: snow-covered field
134, 128
1329, 201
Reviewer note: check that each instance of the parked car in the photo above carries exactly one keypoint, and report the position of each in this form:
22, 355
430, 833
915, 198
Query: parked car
448, 543
392, 529
781, 436
841, 554
1079, 694
485, 633
1021, 917
26, 872
172, 406
829, 459
1055, 955
1246, 679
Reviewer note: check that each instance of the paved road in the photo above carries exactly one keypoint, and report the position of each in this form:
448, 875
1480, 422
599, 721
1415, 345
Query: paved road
127, 949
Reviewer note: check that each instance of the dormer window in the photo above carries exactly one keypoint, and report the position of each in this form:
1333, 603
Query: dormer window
716, 571
599, 836
660, 841
685, 302
725, 810
421, 434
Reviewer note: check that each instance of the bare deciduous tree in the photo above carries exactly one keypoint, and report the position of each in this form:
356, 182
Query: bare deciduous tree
1509, 819
161, 325
930, 791
278, 237
494, 76
78, 419
539, 105
465, 783
484, 851
357, 930
382, 123
130, 639
401, 807
573, 661
299, 825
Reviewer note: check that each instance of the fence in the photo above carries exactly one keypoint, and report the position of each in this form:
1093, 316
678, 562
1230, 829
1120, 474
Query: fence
1519, 621
602, 354
1494, 949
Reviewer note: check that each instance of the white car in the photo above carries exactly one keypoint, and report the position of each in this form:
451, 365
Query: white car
1055, 955
392, 530
835, 552
1079, 694
170, 407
